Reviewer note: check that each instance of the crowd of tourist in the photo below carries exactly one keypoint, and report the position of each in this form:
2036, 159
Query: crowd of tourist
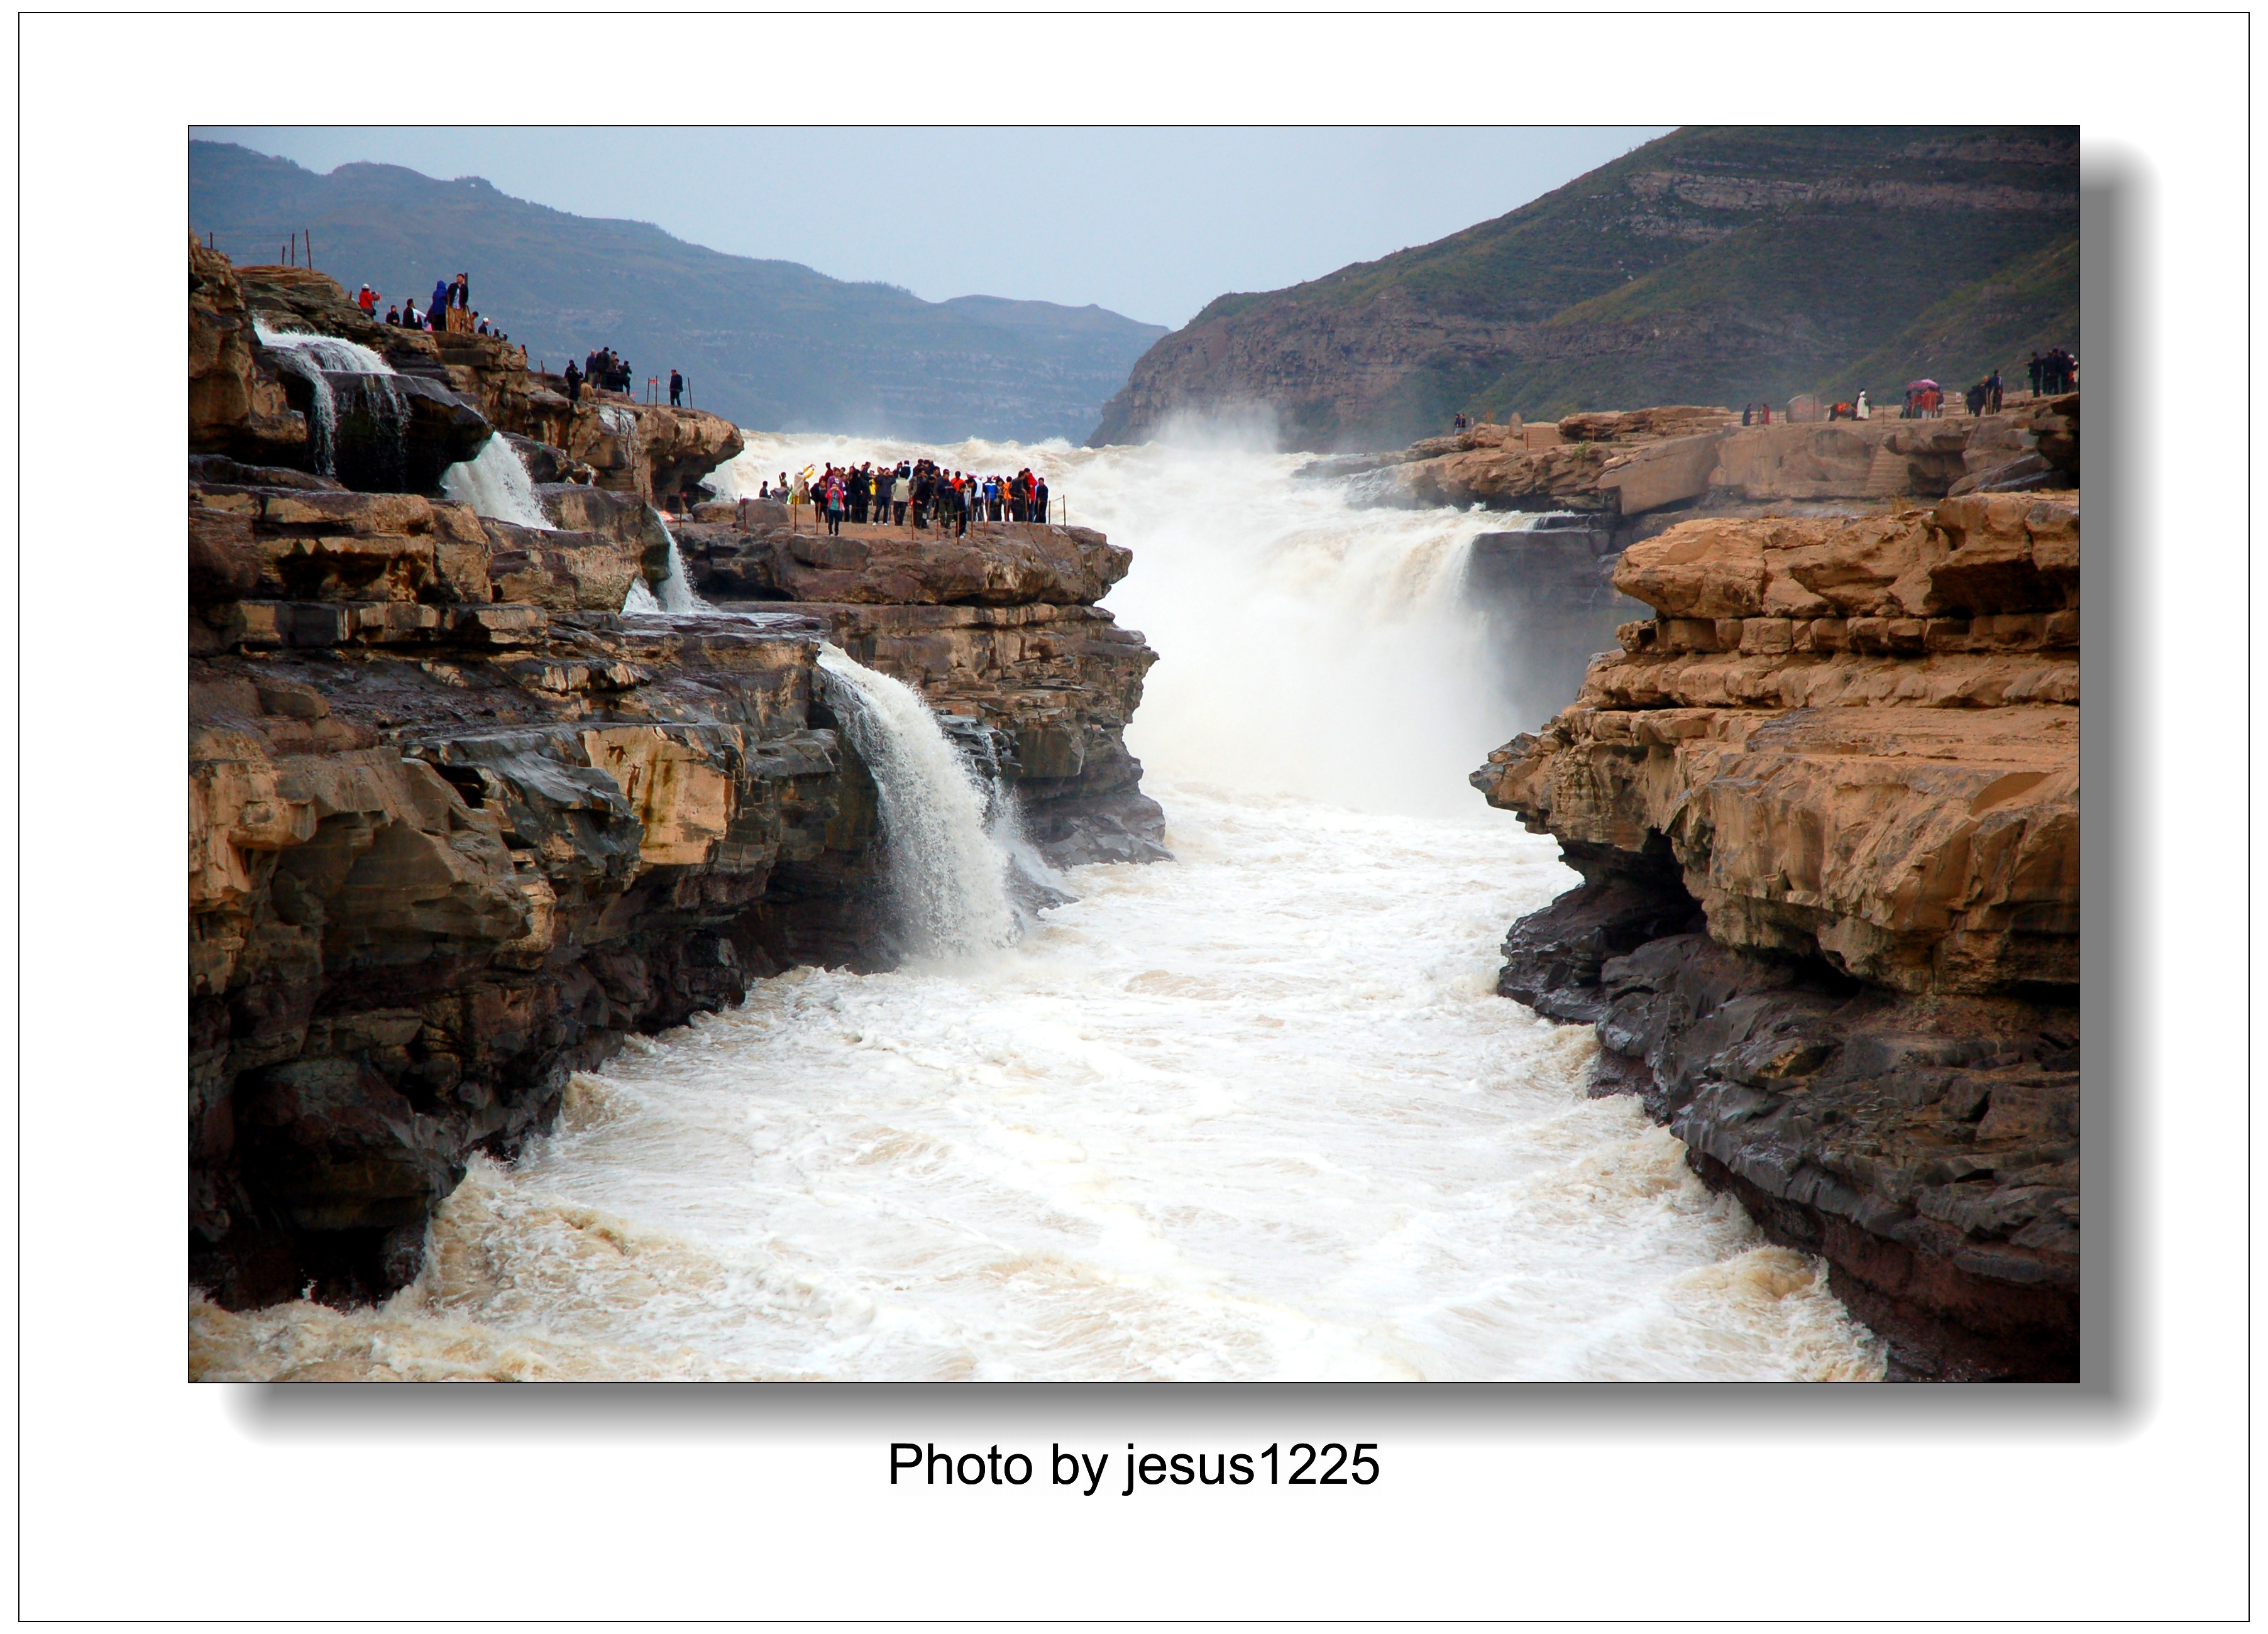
601, 370
449, 308
1984, 396
2053, 373
919, 493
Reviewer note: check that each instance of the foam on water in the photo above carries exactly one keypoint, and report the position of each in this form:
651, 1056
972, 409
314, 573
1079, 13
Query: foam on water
1255, 1113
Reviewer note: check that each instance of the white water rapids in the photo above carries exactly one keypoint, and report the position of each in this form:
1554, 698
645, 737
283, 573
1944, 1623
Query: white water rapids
1256, 1112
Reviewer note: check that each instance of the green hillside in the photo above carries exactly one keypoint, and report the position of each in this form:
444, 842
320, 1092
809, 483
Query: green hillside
1714, 265
770, 344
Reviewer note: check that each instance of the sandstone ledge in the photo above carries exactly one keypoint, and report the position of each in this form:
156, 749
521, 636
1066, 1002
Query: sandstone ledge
1825, 805
458, 825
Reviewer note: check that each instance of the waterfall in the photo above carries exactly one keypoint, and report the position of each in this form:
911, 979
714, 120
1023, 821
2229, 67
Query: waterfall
675, 592
673, 595
947, 873
496, 484
315, 358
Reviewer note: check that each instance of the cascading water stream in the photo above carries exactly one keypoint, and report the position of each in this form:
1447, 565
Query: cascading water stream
1258, 1112
948, 874
675, 592
496, 484
315, 358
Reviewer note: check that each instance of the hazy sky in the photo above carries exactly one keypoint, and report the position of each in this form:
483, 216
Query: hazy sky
1150, 223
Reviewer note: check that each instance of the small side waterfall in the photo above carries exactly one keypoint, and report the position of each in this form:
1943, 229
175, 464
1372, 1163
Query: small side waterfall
496, 483
675, 592
949, 876
369, 381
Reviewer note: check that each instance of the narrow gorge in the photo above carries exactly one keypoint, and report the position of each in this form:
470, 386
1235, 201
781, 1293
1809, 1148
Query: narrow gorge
638, 933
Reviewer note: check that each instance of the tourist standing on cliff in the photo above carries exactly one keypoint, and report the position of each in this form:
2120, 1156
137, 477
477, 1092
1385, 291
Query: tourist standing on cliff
676, 389
834, 503
1040, 498
574, 384
901, 493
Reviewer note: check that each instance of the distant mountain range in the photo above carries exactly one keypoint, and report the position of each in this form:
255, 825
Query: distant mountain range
773, 345
1715, 266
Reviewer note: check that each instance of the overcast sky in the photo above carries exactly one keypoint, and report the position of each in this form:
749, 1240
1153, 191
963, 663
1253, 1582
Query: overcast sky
1150, 223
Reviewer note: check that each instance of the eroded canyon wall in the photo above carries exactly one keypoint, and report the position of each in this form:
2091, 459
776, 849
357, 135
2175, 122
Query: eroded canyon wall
458, 825
999, 624
1825, 805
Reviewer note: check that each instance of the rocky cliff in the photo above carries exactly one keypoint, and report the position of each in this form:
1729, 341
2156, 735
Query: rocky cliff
999, 625
1718, 264
458, 825
458, 389
1825, 805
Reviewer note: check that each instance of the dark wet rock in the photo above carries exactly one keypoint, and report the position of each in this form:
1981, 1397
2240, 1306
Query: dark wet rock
458, 826
1825, 805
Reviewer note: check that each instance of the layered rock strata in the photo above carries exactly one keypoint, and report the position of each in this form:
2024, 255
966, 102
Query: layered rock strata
1825, 805
999, 625
458, 825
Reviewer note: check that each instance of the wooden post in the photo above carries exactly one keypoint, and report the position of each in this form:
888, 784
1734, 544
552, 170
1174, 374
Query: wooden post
311, 248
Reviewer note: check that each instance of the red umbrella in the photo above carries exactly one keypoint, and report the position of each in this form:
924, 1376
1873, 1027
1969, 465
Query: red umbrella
1921, 385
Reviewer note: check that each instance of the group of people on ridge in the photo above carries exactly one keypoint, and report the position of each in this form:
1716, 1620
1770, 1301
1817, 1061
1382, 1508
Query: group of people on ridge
919, 488
449, 307
1984, 396
602, 369
2054, 374
604, 372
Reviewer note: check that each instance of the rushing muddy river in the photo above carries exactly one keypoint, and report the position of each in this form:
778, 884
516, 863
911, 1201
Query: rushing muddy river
1255, 1113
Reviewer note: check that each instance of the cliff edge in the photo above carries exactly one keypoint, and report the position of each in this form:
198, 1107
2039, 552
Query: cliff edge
458, 826
1826, 806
